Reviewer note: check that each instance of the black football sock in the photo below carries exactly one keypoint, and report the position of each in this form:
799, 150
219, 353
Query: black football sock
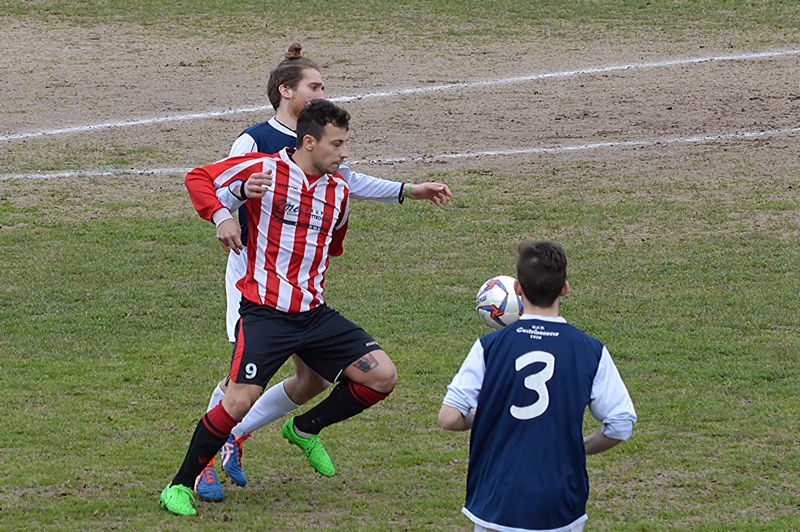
346, 400
210, 435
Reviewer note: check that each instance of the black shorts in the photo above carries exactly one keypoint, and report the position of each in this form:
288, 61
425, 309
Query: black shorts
325, 340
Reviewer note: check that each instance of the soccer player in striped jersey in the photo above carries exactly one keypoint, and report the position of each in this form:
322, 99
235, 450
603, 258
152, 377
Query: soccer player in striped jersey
297, 205
523, 391
294, 82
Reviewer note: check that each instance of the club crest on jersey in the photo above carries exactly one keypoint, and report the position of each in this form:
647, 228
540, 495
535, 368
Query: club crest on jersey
306, 216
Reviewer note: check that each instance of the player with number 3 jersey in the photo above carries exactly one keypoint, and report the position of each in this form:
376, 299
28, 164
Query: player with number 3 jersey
523, 391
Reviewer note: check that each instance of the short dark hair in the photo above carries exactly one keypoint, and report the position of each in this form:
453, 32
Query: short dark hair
316, 115
541, 271
289, 72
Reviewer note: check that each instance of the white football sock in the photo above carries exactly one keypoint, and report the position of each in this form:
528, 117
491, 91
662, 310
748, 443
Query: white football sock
216, 397
273, 404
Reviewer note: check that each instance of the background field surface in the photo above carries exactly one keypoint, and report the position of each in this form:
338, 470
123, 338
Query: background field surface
656, 141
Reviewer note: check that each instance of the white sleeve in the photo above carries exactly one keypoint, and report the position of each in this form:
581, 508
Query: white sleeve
243, 145
610, 402
463, 391
220, 216
226, 197
367, 187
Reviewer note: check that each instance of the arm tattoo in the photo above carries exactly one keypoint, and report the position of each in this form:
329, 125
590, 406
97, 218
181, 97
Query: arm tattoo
366, 363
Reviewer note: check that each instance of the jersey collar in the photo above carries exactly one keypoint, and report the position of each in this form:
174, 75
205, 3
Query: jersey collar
310, 181
280, 127
558, 319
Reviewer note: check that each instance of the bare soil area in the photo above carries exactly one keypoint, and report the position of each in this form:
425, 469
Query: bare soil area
71, 77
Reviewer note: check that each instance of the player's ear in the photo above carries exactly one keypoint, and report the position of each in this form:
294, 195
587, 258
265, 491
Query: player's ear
517, 288
285, 91
309, 142
564, 290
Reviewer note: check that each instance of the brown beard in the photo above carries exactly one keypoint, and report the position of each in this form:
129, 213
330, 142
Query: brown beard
295, 106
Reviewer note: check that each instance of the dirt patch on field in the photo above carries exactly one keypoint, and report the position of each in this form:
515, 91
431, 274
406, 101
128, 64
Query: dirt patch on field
640, 123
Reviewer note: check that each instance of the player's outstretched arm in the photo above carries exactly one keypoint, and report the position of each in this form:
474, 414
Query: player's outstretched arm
438, 193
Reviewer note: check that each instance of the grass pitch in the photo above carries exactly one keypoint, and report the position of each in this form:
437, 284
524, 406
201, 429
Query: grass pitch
112, 318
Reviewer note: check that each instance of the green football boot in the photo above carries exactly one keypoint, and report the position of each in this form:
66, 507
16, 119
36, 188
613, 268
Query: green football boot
178, 500
311, 447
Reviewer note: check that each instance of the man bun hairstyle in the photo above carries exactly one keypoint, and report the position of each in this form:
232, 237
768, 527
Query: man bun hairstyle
294, 52
316, 115
289, 72
541, 271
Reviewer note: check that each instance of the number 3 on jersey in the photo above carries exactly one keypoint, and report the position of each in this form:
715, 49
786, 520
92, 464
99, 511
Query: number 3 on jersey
536, 382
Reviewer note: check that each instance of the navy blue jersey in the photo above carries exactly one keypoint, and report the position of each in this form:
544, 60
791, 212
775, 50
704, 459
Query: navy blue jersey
527, 465
267, 137
271, 136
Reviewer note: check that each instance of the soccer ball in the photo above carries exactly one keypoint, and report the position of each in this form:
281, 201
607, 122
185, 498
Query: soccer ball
497, 303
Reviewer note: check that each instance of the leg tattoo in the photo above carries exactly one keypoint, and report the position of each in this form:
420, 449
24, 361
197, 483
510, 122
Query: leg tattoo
366, 363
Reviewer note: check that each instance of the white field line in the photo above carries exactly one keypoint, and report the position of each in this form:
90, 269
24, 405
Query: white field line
695, 139
409, 91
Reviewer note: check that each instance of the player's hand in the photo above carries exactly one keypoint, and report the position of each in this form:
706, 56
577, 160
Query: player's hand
257, 184
229, 235
438, 193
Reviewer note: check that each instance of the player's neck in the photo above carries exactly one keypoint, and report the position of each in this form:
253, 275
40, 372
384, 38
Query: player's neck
305, 164
529, 308
285, 118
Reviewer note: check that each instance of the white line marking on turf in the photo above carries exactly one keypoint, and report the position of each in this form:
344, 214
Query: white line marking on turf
413, 90
139, 122
695, 139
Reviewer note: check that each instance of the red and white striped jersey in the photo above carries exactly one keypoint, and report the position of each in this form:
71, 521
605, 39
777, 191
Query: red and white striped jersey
300, 222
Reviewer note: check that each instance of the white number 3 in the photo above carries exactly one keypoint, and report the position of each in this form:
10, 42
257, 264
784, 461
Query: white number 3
250, 370
535, 382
